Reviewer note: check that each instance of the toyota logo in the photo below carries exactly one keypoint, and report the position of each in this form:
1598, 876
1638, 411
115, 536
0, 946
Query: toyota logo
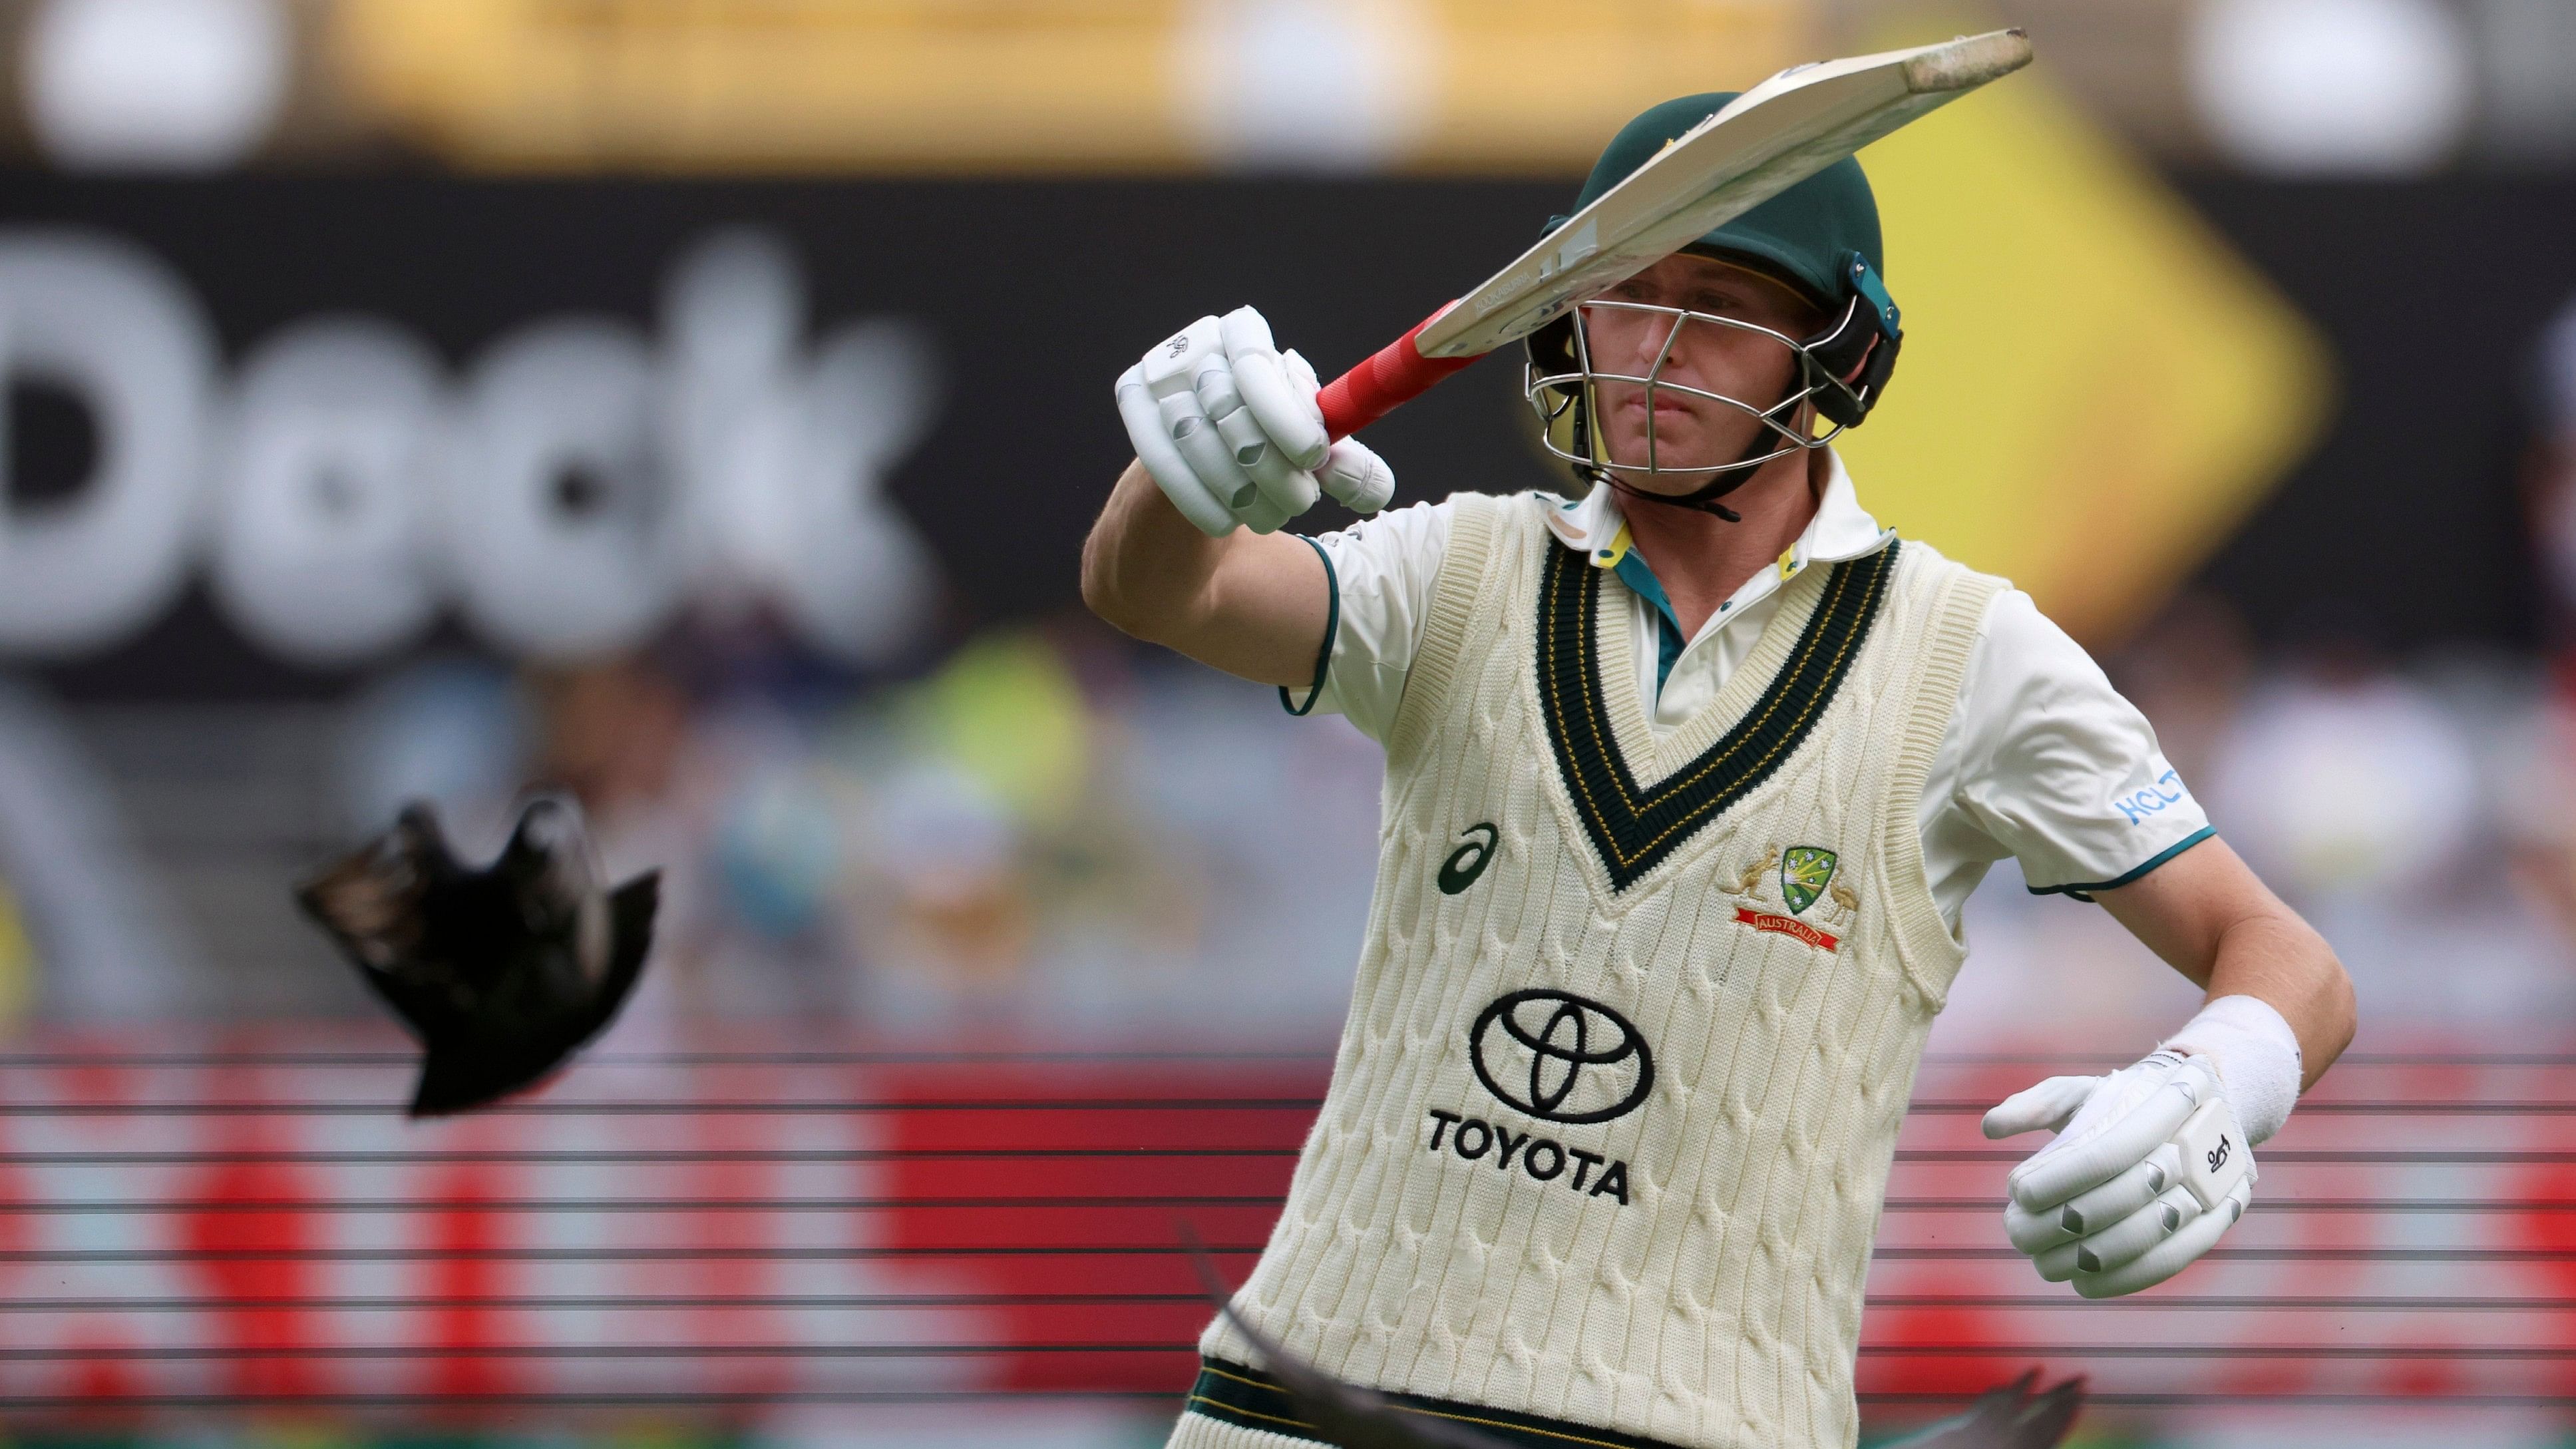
1560, 1057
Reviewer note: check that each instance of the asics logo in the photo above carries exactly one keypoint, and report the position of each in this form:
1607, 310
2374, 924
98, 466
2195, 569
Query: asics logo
1468, 861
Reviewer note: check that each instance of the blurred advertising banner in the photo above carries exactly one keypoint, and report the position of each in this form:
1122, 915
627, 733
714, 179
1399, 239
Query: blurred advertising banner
560, 412
743, 1227
343, 412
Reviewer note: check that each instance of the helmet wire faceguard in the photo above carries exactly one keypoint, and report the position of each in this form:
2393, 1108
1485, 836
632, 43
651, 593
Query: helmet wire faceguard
1841, 371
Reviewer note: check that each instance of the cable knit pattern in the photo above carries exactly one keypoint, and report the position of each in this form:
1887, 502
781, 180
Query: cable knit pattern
1719, 1303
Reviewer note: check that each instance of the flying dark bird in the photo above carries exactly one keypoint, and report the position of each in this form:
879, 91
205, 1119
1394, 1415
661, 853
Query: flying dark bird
1348, 1415
2011, 1417
1338, 1413
501, 972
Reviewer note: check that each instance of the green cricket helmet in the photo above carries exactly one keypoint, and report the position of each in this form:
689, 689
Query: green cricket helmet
1820, 238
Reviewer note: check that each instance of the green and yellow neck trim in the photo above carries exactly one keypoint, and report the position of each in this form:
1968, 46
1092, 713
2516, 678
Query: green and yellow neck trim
1632, 826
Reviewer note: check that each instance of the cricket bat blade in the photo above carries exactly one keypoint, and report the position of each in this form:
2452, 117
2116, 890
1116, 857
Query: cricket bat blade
1763, 142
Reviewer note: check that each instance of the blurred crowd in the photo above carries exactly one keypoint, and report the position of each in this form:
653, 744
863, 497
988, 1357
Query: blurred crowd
1054, 830
1048, 831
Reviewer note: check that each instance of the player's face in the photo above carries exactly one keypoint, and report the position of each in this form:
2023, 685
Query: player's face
1689, 431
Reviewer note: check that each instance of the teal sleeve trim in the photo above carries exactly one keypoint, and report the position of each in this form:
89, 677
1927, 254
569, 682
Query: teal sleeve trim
2083, 890
1332, 629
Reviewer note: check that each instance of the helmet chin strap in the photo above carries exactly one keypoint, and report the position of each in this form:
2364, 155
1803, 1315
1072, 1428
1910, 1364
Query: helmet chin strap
1704, 498
1727, 479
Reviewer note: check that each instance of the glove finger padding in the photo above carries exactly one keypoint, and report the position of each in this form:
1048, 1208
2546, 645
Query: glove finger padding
2123, 1242
1351, 472
2133, 1112
1147, 434
1286, 412
2036, 1233
2048, 1104
2175, 1253
2033, 1233
1357, 476
1218, 386
1174, 372
2091, 1210
1195, 434
1287, 489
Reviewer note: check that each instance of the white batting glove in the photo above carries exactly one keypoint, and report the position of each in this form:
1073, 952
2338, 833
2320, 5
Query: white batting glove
2148, 1170
2152, 1164
1229, 428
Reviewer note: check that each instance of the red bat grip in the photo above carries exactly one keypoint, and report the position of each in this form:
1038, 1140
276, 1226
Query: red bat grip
1396, 375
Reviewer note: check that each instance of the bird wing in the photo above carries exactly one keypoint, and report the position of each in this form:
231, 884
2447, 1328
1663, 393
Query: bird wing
375, 903
630, 938
375, 898
371, 899
1348, 1415
553, 872
2009, 1417
1337, 1412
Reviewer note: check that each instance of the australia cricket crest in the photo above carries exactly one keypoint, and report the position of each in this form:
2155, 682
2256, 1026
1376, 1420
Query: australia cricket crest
1805, 871
1793, 891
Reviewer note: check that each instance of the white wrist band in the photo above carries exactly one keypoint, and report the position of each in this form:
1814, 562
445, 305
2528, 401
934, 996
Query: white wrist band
2257, 1057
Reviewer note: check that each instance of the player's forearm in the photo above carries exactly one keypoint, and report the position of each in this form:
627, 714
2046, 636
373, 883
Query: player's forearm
1145, 569
2280, 960
2208, 915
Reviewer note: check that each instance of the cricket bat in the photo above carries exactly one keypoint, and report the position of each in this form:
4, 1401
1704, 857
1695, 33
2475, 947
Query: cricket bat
1765, 141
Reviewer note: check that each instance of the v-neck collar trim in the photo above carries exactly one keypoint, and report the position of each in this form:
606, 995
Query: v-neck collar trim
1598, 730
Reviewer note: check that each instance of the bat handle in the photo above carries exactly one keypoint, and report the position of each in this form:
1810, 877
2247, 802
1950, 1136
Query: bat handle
1397, 374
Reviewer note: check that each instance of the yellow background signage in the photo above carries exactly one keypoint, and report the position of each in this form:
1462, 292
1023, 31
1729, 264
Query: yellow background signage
2095, 388
1034, 85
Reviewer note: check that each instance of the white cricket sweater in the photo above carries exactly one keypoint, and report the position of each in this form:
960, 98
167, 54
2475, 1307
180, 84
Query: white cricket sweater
1636, 1021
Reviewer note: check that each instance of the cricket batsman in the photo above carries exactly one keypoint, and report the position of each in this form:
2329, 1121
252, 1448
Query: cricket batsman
1688, 774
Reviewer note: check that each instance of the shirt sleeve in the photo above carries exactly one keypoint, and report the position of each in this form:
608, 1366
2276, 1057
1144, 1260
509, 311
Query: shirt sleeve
2055, 768
1382, 571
